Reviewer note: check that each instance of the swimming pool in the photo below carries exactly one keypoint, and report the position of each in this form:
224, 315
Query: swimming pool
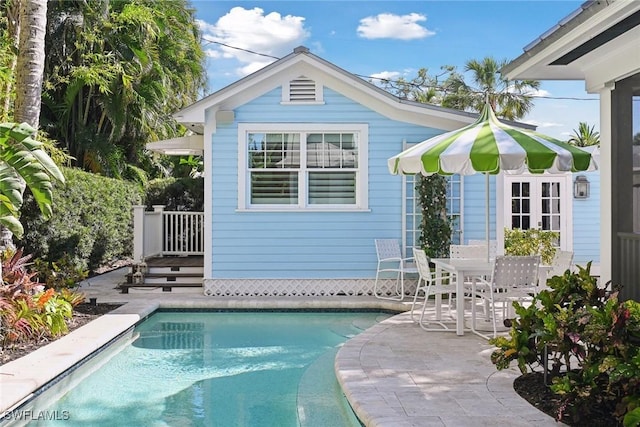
219, 369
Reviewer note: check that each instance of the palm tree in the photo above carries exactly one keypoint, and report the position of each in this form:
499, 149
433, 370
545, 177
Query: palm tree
115, 74
30, 62
24, 162
584, 136
509, 99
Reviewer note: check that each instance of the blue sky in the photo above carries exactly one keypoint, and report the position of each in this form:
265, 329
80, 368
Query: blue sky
393, 39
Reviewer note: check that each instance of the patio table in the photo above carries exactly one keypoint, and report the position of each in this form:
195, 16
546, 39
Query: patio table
461, 268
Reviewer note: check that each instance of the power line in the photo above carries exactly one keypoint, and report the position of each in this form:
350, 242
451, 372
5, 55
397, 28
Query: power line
391, 81
239, 48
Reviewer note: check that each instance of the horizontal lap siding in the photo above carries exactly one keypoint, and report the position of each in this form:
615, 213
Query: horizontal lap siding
586, 223
475, 207
307, 245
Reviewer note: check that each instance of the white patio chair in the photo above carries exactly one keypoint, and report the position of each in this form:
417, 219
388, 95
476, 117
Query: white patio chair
476, 251
468, 251
390, 260
514, 278
493, 246
431, 284
561, 262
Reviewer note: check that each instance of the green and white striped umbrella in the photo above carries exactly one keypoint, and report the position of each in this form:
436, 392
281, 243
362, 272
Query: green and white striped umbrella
489, 146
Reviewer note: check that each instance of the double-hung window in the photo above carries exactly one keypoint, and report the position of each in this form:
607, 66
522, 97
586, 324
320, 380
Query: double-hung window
296, 166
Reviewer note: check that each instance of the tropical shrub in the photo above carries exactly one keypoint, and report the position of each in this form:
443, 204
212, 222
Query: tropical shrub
586, 340
531, 242
60, 274
176, 194
92, 224
27, 310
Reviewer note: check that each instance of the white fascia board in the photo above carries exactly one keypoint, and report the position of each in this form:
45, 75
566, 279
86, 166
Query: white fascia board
279, 73
615, 64
534, 64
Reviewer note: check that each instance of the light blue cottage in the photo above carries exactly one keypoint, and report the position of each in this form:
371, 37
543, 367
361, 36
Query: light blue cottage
296, 175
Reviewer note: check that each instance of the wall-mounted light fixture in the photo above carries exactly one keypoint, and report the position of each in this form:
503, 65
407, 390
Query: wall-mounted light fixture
581, 187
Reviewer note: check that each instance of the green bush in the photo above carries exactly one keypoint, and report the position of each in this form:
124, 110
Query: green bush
91, 223
590, 341
176, 194
531, 242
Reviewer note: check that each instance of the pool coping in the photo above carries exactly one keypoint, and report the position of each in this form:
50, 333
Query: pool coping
22, 378
381, 371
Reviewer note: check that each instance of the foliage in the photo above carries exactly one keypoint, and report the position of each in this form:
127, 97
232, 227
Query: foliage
435, 228
469, 90
531, 242
592, 342
584, 136
177, 194
23, 161
115, 73
27, 311
60, 274
92, 226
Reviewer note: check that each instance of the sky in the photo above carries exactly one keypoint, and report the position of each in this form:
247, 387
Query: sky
392, 39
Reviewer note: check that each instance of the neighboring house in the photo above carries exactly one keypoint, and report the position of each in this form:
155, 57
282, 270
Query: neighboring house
298, 188
600, 44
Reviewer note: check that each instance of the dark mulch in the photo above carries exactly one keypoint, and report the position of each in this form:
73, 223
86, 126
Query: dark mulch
82, 314
532, 388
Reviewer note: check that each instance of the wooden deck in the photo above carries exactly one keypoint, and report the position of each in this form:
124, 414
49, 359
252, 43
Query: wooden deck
175, 261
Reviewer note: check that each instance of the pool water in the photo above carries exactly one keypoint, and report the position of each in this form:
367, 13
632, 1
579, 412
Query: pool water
220, 369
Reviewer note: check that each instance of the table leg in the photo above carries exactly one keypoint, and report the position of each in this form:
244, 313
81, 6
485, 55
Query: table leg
460, 303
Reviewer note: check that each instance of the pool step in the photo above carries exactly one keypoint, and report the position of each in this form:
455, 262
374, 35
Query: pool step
320, 398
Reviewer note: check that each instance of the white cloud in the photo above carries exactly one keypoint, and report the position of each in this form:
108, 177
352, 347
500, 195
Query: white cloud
251, 30
386, 25
386, 75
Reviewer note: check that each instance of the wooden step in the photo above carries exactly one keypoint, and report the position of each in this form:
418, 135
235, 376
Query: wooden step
166, 277
166, 287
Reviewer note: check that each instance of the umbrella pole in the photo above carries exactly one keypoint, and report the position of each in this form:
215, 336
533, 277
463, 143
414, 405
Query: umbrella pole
487, 213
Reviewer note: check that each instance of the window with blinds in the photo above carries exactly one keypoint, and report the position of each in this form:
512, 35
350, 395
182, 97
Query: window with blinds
304, 169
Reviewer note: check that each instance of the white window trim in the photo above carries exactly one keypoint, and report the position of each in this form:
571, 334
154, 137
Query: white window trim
362, 177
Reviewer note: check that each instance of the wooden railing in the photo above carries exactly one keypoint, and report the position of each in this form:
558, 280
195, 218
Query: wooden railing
161, 232
630, 265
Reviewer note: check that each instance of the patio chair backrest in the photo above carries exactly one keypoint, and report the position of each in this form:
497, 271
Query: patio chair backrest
422, 262
513, 272
468, 251
561, 262
388, 249
493, 246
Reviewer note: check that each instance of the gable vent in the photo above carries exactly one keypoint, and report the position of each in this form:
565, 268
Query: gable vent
302, 89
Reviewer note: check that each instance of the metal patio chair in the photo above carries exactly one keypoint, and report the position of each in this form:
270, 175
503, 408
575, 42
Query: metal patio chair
431, 284
390, 259
514, 278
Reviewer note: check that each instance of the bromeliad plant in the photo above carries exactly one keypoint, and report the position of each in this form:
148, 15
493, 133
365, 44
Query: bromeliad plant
586, 340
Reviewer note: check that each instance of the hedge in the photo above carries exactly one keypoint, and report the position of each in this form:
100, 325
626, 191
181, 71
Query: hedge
91, 222
176, 194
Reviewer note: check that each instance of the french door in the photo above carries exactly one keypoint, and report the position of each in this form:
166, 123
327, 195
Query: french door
542, 202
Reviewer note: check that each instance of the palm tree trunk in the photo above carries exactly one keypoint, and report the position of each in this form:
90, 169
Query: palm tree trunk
30, 65
13, 26
32, 22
